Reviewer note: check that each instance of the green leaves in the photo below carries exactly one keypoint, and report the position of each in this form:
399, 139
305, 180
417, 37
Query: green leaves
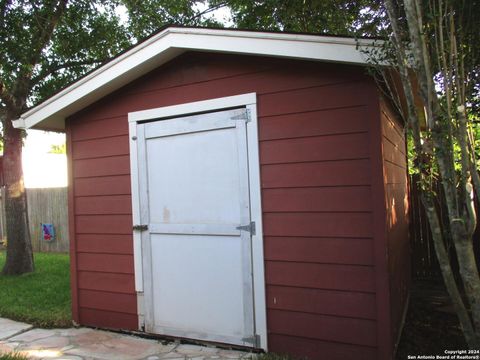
146, 17
313, 16
47, 44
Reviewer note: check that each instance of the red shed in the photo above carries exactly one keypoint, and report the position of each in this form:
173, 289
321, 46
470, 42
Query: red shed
237, 187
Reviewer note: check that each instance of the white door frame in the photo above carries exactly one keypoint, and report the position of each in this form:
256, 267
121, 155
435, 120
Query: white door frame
249, 101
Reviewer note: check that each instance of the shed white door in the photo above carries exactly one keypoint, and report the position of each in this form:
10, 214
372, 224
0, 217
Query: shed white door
197, 257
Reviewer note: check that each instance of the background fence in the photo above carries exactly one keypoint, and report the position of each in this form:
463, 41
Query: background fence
48, 205
424, 259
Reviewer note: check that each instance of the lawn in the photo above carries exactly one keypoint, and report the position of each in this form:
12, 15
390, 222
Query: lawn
13, 357
41, 298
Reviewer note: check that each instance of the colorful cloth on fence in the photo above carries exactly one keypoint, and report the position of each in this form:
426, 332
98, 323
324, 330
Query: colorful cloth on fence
48, 232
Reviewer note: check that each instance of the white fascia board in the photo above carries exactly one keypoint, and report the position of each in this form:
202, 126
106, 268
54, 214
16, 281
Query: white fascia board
19, 123
305, 47
170, 43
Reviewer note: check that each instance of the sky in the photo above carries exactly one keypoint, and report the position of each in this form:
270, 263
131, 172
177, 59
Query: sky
40, 168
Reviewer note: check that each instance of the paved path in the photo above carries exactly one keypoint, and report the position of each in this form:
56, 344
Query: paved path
90, 344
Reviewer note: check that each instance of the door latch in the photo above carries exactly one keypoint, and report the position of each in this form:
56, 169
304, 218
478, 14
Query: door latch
140, 227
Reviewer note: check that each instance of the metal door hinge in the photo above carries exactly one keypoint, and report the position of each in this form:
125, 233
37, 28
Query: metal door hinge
249, 115
250, 227
254, 340
244, 115
140, 227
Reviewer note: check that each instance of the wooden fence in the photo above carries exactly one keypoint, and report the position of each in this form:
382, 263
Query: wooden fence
424, 259
47, 205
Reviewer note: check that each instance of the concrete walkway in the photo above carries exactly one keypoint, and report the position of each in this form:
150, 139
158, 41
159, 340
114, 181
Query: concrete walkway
90, 344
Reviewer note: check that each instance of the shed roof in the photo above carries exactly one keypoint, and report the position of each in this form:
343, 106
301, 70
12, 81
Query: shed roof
173, 41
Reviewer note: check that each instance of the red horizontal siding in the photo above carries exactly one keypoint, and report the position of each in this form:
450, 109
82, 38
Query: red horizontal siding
101, 300
85, 129
392, 130
319, 250
333, 199
112, 282
103, 147
326, 302
392, 153
397, 205
113, 165
316, 148
108, 319
320, 276
313, 123
104, 224
315, 349
200, 91
275, 80
322, 327
108, 185
315, 173
179, 73
394, 174
318, 224
111, 263
329, 173
311, 99
396, 195
98, 205
105, 243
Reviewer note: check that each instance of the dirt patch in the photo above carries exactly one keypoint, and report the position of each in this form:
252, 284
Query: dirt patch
431, 326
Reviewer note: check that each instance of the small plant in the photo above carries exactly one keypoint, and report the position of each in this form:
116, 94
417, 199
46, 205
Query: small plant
272, 356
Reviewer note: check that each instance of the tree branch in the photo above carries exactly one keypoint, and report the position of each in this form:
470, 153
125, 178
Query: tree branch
46, 31
449, 279
69, 64
5, 95
206, 11
46, 28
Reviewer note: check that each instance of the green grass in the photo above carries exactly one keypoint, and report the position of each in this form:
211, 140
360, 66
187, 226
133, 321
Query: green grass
41, 298
13, 356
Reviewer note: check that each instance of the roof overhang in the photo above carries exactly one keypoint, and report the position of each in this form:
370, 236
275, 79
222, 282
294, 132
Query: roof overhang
173, 41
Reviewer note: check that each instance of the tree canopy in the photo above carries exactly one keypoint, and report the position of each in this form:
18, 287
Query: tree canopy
336, 17
48, 44
44, 45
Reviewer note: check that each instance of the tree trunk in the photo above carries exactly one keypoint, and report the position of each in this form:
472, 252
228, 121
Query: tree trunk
19, 246
468, 329
471, 281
